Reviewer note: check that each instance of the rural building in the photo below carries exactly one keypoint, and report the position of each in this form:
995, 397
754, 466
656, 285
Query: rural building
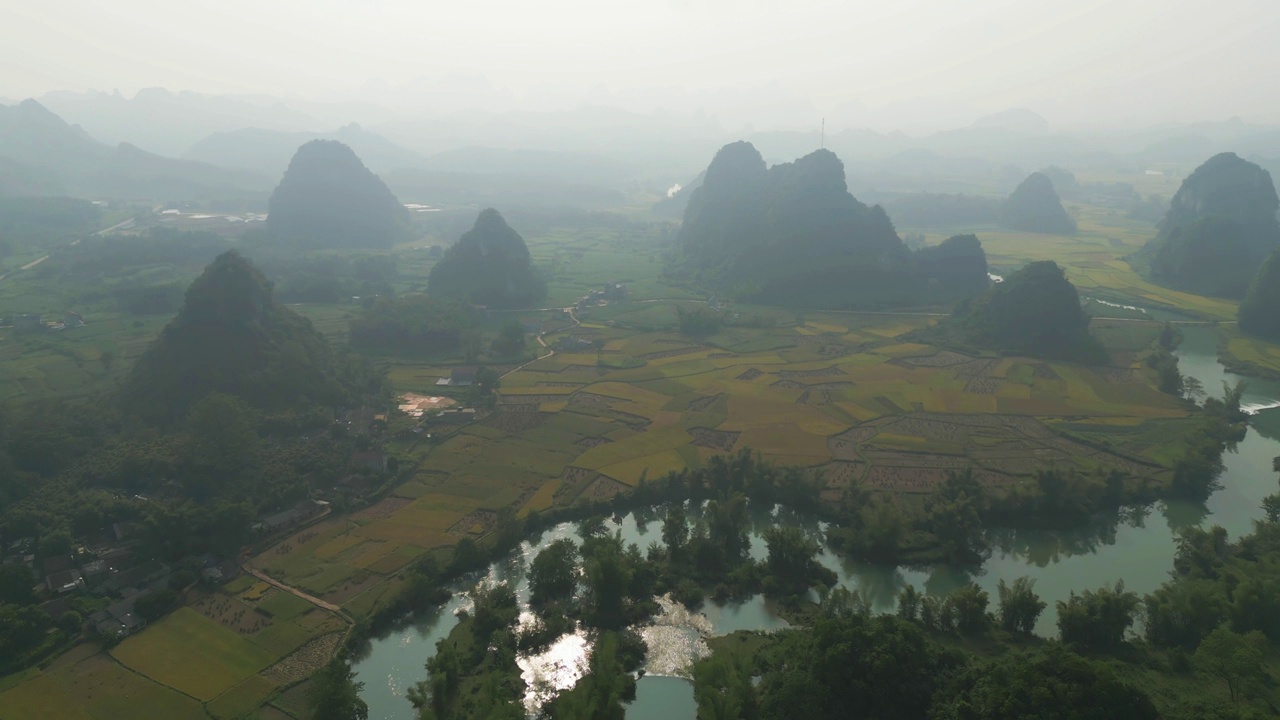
304, 510
573, 343
454, 416
462, 377
65, 581
119, 619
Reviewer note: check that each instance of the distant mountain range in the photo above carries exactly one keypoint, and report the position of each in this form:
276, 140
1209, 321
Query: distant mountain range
40, 153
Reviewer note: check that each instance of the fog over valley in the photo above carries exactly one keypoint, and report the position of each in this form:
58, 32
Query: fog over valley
683, 360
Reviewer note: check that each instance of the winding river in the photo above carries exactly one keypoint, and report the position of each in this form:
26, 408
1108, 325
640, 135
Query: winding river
1137, 547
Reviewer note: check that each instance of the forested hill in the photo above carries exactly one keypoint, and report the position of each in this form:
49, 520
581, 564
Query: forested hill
489, 265
231, 336
1035, 312
1260, 311
1219, 228
1035, 207
328, 198
792, 234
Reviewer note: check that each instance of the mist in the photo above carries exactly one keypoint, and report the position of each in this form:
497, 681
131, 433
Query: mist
916, 67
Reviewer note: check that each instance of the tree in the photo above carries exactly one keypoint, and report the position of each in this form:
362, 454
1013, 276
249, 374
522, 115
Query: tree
510, 341
17, 584
909, 603
1020, 607
335, 694
608, 577
969, 604
675, 529
1052, 684
600, 694
1232, 658
495, 608
1097, 619
225, 453
791, 566
552, 574
1182, 612
155, 605
723, 688
852, 665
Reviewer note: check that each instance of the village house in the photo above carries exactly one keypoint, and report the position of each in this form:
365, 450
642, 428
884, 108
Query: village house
462, 377
304, 510
119, 619
573, 343
65, 581
454, 416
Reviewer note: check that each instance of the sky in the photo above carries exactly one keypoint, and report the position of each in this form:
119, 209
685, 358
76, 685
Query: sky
896, 64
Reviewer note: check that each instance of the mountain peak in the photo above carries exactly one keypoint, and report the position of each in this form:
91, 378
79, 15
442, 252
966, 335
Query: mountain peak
489, 265
1219, 228
1034, 206
328, 197
231, 337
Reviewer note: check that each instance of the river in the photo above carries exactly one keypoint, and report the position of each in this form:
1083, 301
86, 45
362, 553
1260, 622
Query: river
1137, 547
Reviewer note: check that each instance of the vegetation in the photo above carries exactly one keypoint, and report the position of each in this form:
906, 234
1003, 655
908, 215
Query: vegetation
1260, 311
412, 325
643, 408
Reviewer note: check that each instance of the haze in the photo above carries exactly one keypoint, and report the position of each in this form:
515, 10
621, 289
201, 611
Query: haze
915, 66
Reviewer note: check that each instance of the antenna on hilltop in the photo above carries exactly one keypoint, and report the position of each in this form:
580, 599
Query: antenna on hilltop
824, 134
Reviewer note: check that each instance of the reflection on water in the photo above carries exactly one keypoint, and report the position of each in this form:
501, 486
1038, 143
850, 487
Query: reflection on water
1128, 544
557, 668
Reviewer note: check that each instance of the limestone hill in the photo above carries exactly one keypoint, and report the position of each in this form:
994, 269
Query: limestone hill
489, 265
231, 336
1035, 207
1035, 312
1220, 226
328, 198
792, 234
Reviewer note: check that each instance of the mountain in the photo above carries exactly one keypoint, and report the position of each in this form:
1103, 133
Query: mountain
1260, 312
168, 122
328, 198
1220, 226
489, 265
1034, 207
1035, 312
132, 173
955, 268
792, 234
268, 151
1019, 120
21, 180
34, 136
45, 146
232, 337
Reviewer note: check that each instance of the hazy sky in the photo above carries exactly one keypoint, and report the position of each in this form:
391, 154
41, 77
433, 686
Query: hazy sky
1103, 62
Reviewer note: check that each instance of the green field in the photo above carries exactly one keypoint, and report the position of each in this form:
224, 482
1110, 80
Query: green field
842, 394
163, 653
